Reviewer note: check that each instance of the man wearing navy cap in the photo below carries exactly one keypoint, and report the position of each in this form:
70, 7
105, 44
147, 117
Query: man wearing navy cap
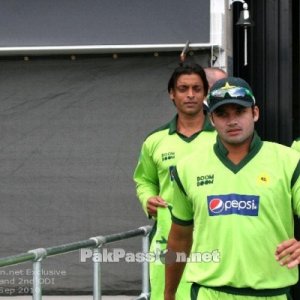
233, 206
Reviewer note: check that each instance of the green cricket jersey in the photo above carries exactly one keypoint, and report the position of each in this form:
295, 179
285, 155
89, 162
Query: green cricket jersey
240, 214
296, 144
160, 151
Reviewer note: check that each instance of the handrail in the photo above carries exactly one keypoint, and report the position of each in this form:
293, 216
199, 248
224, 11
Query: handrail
99, 49
37, 255
16, 259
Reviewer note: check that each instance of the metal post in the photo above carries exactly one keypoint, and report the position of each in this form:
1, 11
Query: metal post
145, 269
99, 241
37, 272
97, 276
36, 285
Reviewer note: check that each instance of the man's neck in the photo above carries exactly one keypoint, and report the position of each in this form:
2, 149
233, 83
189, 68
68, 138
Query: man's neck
236, 153
189, 125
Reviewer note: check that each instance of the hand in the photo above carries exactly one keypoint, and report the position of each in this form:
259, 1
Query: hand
288, 253
153, 203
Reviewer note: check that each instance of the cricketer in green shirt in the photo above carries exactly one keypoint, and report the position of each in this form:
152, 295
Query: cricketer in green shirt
240, 213
161, 150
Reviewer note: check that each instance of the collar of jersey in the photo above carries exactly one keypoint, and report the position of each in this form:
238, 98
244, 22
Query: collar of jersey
222, 152
173, 129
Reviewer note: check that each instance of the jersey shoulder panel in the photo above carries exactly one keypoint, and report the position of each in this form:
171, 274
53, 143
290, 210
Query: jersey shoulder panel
285, 153
156, 137
285, 157
162, 129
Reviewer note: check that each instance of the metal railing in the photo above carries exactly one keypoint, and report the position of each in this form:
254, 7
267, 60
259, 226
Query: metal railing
99, 49
38, 255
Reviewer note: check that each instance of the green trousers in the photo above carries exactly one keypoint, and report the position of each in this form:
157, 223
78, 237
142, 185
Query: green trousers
157, 268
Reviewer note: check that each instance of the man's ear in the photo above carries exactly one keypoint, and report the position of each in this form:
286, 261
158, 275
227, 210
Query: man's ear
255, 113
171, 95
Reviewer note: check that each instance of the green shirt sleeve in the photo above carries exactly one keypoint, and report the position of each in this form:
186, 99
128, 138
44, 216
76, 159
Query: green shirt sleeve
146, 177
296, 145
296, 190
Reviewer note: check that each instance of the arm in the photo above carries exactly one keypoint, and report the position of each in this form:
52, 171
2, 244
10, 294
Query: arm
180, 236
288, 252
180, 240
147, 183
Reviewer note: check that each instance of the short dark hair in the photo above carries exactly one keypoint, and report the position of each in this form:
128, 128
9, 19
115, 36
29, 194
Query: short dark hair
188, 69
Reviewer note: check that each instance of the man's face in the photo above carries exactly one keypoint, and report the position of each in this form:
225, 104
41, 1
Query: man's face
189, 94
235, 123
